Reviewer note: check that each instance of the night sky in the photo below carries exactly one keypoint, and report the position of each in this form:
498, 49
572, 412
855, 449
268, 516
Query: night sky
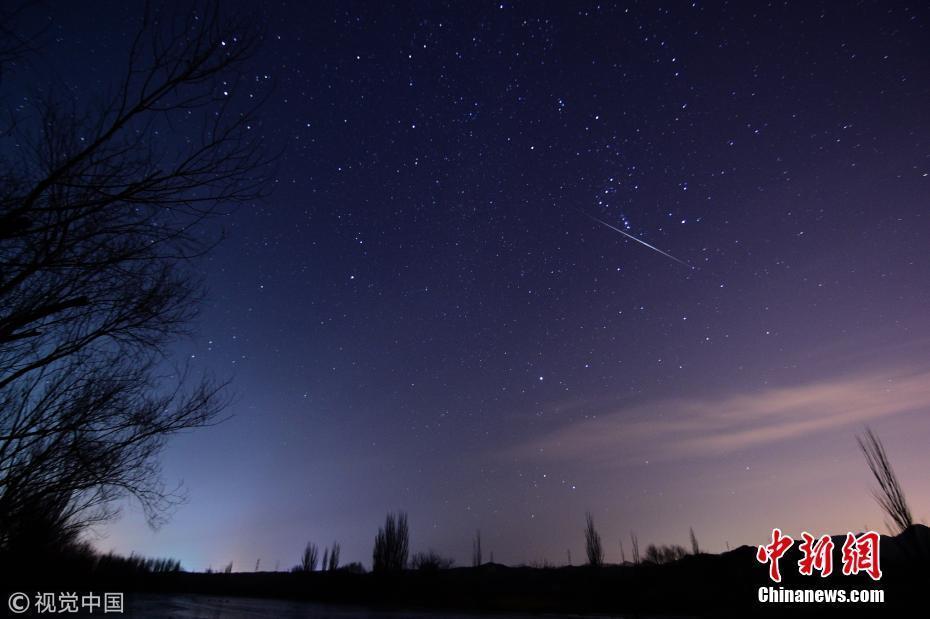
435, 310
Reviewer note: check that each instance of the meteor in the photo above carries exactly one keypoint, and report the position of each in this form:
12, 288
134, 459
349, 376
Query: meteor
638, 240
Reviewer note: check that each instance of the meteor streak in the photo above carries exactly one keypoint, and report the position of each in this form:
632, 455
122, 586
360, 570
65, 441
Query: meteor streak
640, 241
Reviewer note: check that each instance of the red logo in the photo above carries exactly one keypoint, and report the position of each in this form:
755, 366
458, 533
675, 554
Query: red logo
859, 553
816, 555
772, 553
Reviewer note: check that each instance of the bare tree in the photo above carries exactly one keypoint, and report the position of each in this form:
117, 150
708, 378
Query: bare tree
635, 543
695, 547
392, 545
100, 219
592, 542
622, 553
889, 494
16, 44
476, 550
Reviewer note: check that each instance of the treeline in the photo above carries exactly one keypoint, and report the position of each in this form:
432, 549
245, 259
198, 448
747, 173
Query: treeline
79, 563
391, 551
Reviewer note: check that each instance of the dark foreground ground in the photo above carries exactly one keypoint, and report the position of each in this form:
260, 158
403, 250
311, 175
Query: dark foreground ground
697, 585
162, 606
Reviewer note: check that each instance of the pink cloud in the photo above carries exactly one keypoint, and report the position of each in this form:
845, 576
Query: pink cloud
677, 428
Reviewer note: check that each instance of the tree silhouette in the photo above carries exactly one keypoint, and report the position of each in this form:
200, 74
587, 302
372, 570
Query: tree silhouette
100, 218
695, 547
392, 545
634, 541
333, 564
592, 542
308, 559
476, 559
889, 494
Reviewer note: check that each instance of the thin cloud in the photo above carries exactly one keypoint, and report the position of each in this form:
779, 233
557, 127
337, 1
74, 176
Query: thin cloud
679, 428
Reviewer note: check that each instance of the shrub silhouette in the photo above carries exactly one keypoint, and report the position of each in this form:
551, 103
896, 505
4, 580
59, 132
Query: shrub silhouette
592, 542
111, 563
664, 554
353, 568
391, 545
430, 561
